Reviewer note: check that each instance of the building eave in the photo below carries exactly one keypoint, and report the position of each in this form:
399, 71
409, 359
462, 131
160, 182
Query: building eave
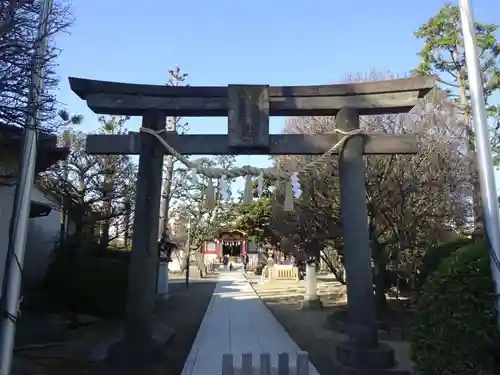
48, 153
38, 209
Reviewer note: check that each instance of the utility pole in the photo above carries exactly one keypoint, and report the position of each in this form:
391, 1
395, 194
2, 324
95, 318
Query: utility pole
188, 245
22, 198
484, 160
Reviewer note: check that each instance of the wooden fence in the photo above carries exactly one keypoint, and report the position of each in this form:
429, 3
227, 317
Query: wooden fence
264, 367
278, 272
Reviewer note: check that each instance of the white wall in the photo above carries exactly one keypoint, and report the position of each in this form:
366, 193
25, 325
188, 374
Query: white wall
43, 234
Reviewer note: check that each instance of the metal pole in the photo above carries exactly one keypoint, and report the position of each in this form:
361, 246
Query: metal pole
483, 151
188, 252
24, 185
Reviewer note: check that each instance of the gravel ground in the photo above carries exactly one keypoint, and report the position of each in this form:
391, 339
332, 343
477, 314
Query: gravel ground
308, 328
183, 311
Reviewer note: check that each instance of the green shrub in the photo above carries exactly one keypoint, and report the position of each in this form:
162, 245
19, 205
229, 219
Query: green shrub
435, 256
454, 327
88, 284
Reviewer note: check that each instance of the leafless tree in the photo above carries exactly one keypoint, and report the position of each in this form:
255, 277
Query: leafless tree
413, 201
19, 21
176, 78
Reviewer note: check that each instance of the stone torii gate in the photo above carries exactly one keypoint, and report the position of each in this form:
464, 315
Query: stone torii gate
248, 108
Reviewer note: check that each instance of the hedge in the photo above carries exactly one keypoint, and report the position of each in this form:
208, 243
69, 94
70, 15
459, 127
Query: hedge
454, 328
435, 256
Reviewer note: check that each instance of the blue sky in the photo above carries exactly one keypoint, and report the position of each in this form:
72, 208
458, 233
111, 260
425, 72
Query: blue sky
220, 42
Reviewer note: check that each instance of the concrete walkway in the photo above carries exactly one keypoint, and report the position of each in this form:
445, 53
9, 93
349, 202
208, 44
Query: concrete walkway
237, 322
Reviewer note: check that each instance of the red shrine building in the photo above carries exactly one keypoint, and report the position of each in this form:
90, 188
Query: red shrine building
228, 242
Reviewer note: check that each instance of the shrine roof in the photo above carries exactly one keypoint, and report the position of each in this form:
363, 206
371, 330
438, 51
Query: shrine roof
230, 230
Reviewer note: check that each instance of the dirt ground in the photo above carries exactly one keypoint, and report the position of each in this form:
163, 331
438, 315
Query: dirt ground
183, 311
308, 328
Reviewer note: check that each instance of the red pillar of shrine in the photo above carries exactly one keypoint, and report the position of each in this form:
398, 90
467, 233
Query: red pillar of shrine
244, 248
218, 248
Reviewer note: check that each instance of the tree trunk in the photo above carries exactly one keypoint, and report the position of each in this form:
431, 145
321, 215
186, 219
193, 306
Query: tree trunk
471, 154
63, 216
380, 295
106, 208
62, 225
127, 223
104, 237
167, 187
380, 263
338, 272
79, 217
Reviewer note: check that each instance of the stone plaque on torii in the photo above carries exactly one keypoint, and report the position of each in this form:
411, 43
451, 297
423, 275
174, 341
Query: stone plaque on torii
248, 108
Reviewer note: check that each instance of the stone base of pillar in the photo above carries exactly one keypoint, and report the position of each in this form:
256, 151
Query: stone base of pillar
353, 359
311, 303
114, 350
151, 351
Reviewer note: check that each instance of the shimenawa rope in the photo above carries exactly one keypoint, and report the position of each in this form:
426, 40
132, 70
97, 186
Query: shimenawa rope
247, 170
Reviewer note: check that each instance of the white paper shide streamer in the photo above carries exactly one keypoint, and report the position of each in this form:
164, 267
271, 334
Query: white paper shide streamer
292, 189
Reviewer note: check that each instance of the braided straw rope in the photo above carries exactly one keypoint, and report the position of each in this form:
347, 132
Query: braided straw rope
246, 170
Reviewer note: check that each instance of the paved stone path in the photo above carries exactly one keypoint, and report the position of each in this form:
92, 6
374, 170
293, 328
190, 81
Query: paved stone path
237, 322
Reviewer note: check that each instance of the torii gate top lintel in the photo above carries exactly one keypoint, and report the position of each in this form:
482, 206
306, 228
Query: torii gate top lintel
374, 97
248, 108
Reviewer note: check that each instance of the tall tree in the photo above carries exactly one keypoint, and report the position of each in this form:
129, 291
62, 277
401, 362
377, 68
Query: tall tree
443, 54
18, 28
117, 175
67, 119
314, 226
174, 124
255, 220
97, 189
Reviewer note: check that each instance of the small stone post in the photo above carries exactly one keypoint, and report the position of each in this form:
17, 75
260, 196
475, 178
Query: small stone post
311, 298
162, 292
